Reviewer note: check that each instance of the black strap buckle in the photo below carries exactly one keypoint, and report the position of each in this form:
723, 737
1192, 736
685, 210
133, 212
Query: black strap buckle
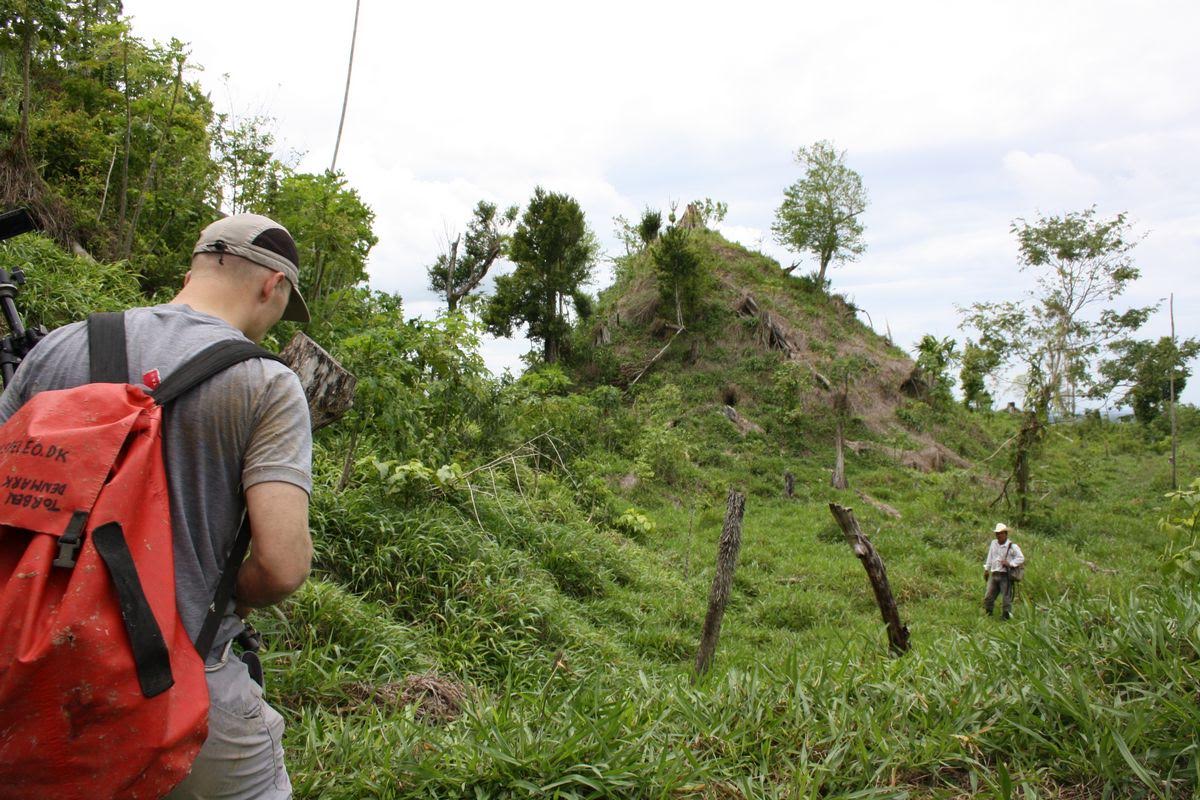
249, 639
251, 642
71, 541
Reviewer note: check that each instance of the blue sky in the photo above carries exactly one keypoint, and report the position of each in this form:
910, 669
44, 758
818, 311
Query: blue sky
960, 118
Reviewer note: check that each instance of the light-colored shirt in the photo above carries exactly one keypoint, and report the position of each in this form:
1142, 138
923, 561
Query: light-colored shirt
1002, 556
248, 425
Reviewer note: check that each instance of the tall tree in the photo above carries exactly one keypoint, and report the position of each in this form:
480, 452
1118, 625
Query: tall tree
820, 211
553, 251
679, 272
457, 272
1055, 333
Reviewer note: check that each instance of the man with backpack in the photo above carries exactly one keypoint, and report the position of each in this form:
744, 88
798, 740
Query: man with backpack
237, 443
1003, 568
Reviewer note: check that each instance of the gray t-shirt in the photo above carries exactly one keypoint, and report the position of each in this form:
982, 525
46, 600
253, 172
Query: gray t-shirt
247, 425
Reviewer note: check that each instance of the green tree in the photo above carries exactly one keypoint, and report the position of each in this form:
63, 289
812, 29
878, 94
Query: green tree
245, 151
1141, 370
704, 213
458, 271
332, 228
978, 363
649, 226
934, 359
553, 251
679, 272
117, 140
1056, 332
820, 211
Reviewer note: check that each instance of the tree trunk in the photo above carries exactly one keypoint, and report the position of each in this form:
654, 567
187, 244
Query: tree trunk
348, 462
821, 274
328, 387
876, 574
838, 481
21, 140
718, 596
127, 244
123, 200
1026, 438
451, 263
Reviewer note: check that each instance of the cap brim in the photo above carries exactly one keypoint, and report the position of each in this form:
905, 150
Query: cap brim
297, 309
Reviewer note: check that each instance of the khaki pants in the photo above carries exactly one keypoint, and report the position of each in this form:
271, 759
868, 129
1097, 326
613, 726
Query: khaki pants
999, 583
242, 758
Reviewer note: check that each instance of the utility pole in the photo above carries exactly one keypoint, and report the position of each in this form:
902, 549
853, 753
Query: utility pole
1174, 432
346, 96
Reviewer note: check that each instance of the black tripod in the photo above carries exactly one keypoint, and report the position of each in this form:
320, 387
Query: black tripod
20, 340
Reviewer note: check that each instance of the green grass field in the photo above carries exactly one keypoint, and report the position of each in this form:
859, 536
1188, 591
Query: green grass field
573, 642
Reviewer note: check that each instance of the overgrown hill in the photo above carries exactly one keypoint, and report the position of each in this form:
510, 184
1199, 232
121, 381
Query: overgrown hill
774, 352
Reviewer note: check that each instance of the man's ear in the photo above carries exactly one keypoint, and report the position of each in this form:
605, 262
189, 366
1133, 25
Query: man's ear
271, 283
187, 277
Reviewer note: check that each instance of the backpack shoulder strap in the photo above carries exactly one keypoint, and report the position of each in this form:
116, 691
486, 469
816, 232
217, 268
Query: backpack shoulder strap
225, 588
210, 361
107, 359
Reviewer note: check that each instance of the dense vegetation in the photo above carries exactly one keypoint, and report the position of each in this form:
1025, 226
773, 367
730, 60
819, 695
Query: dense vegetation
512, 573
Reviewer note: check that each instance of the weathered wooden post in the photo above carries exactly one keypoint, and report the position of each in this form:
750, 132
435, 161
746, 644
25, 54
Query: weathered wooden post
789, 485
727, 556
897, 632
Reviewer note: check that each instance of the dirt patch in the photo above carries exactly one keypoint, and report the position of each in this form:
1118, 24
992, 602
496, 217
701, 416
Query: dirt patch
436, 700
638, 306
933, 457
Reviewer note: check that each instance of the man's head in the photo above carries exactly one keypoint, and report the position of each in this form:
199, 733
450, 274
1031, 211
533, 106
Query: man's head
253, 240
1001, 531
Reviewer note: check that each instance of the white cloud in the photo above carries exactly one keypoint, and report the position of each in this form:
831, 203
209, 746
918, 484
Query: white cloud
961, 117
1052, 181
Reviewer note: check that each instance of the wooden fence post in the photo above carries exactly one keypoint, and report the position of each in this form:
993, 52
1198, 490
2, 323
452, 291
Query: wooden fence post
727, 556
897, 632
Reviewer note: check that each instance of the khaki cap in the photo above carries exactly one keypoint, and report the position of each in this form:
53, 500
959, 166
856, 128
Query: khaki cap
265, 242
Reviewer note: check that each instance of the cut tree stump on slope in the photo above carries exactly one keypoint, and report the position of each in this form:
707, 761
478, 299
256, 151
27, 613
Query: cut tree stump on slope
718, 596
743, 425
877, 504
876, 573
328, 387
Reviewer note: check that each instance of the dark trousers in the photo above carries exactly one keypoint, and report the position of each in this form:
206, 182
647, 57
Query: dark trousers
999, 584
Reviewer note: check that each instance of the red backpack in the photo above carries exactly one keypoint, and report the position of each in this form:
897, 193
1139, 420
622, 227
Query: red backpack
102, 692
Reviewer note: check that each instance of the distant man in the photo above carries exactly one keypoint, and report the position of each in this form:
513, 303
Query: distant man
242, 440
1003, 555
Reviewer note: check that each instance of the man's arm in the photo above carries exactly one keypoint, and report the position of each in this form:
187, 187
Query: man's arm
280, 545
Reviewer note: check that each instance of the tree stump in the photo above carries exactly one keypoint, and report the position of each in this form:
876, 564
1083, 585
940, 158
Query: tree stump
328, 387
718, 596
876, 573
789, 485
838, 479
